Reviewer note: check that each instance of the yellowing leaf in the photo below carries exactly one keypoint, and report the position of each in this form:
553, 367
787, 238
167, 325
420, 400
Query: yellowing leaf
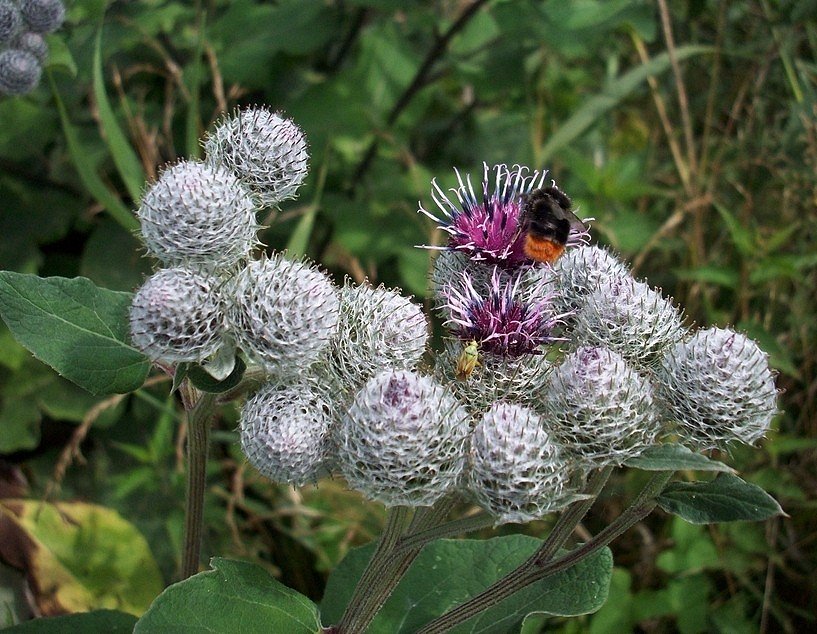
78, 557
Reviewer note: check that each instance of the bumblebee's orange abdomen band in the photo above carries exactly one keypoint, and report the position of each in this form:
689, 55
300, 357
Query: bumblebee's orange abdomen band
543, 250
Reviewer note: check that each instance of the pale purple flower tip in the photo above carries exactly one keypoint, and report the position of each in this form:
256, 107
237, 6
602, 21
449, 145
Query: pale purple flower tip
506, 319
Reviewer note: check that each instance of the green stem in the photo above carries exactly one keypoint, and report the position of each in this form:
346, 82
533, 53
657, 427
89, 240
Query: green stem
572, 516
416, 541
355, 615
387, 569
536, 569
199, 417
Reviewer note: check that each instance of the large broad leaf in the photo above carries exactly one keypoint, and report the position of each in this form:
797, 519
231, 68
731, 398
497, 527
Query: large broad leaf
448, 572
108, 621
78, 557
671, 457
77, 328
727, 498
233, 597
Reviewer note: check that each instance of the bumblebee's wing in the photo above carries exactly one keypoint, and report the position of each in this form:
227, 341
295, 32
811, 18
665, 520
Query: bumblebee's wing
576, 224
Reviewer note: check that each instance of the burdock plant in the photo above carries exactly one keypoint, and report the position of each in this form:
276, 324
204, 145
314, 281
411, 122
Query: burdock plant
23, 51
553, 373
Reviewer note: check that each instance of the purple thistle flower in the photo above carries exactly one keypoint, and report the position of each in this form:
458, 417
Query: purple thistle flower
489, 230
505, 319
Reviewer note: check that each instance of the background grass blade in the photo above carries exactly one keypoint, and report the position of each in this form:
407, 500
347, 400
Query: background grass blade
87, 173
613, 94
125, 159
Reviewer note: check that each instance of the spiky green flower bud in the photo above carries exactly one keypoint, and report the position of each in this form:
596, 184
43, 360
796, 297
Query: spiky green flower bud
198, 215
43, 16
19, 72
282, 313
378, 329
719, 388
265, 150
403, 440
600, 408
518, 472
177, 316
628, 317
285, 431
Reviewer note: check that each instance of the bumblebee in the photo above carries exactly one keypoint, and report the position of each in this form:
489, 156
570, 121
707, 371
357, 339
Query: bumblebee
467, 361
546, 221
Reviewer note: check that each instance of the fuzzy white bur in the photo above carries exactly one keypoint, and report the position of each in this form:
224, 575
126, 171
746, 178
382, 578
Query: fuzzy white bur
718, 388
403, 440
264, 150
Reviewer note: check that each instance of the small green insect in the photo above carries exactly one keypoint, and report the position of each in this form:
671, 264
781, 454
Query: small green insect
467, 361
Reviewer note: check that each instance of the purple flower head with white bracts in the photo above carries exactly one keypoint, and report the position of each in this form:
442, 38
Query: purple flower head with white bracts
489, 229
505, 319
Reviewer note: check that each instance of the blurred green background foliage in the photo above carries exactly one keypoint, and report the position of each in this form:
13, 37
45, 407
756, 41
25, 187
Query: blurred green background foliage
687, 130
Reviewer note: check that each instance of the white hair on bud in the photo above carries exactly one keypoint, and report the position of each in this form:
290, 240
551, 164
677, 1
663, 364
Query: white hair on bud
403, 440
177, 316
718, 388
265, 150
282, 313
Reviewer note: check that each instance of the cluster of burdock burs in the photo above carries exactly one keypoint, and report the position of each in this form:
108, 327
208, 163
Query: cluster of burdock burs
578, 365
23, 50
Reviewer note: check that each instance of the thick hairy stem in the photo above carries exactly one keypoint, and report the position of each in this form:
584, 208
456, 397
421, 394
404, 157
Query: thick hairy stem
416, 541
387, 567
535, 569
356, 617
572, 516
199, 418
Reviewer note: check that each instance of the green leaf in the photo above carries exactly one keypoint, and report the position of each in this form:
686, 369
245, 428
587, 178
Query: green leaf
299, 238
233, 597
79, 556
63, 400
28, 130
201, 379
617, 90
125, 159
20, 424
180, 375
727, 498
692, 549
780, 357
59, 55
114, 258
87, 173
31, 216
108, 621
741, 236
781, 445
77, 328
672, 457
448, 572
721, 275
413, 266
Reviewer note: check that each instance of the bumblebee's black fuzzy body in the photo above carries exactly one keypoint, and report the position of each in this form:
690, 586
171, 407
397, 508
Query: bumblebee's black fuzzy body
546, 222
